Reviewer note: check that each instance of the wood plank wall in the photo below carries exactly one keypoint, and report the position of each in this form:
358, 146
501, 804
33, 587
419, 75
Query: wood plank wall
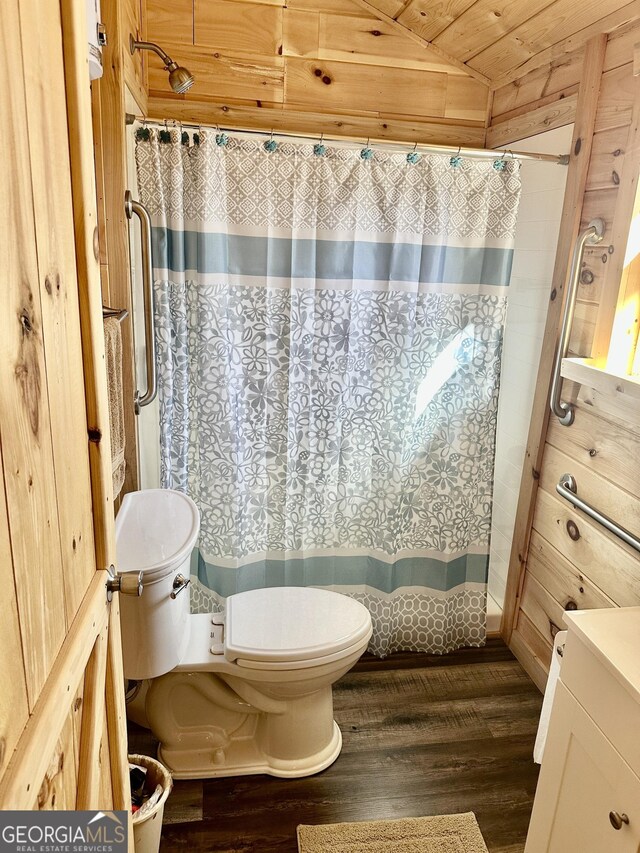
52, 555
547, 98
45, 464
561, 560
131, 21
310, 68
122, 71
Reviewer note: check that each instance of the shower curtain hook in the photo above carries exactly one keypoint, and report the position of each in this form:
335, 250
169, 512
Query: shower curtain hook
456, 160
143, 132
366, 153
319, 149
271, 145
413, 156
221, 138
500, 164
165, 135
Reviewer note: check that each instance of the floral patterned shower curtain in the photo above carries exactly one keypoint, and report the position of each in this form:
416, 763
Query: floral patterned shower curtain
329, 338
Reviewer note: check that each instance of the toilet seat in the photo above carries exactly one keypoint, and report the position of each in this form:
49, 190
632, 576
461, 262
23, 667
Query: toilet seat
292, 627
281, 666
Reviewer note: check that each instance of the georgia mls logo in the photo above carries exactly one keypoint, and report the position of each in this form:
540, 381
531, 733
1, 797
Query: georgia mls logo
63, 832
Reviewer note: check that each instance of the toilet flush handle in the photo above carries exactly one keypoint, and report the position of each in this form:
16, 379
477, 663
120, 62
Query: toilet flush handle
128, 583
179, 583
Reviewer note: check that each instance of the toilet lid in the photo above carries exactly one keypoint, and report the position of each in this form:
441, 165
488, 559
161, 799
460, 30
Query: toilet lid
292, 624
156, 530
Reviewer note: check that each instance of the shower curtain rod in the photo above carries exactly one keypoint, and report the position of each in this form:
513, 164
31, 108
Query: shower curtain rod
482, 153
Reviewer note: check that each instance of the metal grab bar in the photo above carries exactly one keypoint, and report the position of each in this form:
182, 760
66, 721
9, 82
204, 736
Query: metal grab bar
593, 234
131, 206
568, 488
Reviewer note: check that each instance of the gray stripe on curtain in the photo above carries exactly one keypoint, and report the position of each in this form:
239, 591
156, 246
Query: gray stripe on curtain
232, 254
358, 570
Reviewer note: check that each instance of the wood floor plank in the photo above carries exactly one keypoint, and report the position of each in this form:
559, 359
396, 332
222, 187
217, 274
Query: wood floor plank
493, 650
422, 735
186, 802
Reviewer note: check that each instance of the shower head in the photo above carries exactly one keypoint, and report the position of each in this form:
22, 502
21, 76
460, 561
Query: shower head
180, 79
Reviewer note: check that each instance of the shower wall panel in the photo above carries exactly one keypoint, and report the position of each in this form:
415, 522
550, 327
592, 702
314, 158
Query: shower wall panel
543, 187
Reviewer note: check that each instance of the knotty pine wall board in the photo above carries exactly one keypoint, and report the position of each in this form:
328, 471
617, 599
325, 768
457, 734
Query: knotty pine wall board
329, 60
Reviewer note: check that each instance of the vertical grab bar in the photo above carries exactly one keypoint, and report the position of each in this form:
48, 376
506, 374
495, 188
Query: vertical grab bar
131, 206
592, 234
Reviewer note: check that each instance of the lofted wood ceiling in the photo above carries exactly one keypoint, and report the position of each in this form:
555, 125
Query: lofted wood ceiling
497, 38
493, 41
330, 65
399, 69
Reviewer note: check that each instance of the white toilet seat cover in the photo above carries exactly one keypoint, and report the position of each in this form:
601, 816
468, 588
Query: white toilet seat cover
156, 530
292, 624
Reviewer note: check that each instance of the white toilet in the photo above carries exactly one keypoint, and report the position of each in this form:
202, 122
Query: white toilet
234, 693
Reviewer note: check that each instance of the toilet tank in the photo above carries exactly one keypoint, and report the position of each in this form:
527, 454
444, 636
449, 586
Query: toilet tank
156, 530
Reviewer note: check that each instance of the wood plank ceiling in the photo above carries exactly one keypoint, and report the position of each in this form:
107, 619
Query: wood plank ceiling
401, 69
495, 38
310, 66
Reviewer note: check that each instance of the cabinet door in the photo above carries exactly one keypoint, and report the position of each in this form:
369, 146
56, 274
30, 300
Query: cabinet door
583, 780
62, 713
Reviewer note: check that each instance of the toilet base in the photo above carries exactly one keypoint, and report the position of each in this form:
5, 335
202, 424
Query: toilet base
218, 724
244, 758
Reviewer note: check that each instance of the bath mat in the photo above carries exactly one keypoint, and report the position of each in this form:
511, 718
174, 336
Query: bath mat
453, 833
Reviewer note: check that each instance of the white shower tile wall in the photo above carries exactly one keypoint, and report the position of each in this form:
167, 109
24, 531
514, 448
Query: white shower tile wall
543, 187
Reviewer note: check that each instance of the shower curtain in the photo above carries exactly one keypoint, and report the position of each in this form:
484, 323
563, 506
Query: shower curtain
329, 325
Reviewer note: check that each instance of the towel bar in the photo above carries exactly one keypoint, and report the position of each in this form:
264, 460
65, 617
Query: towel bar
118, 313
568, 488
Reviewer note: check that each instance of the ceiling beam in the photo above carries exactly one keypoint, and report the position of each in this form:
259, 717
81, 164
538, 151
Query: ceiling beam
427, 45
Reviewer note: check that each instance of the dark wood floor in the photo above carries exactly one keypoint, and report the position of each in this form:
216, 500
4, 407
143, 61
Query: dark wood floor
422, 735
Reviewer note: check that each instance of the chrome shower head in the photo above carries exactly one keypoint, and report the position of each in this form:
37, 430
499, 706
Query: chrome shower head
180, 79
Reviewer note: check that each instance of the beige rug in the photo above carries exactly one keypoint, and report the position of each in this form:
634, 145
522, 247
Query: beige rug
454, 833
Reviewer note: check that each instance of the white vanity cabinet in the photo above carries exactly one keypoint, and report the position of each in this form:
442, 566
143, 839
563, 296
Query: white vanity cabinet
588, 795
